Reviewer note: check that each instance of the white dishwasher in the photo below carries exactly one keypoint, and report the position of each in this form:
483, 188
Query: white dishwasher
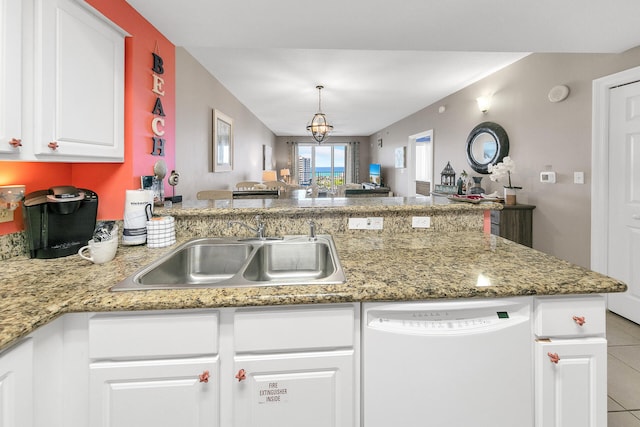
462, 363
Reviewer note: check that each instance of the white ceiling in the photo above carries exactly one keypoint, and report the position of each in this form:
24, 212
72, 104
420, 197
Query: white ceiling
379, 60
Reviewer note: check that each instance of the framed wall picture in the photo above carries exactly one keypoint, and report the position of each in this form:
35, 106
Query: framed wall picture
222, 142
400, 157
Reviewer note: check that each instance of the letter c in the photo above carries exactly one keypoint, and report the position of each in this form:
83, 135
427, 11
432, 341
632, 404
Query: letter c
154, 126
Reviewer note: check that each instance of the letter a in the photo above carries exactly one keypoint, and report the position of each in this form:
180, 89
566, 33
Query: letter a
157, 108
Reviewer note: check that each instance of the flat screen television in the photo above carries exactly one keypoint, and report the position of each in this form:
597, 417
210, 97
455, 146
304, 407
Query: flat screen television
374, 174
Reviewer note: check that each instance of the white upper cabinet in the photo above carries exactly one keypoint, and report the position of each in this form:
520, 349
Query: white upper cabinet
10, 78
65, 64
79, 84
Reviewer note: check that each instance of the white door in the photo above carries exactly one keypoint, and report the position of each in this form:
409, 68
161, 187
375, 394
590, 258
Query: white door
314, 389
159, 393
79, 68
10, 76
16, 393
624, 198
571, 378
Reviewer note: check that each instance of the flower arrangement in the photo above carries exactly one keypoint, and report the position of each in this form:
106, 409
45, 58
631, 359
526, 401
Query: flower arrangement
503, 169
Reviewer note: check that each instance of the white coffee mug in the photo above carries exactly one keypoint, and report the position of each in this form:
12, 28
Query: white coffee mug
100, 252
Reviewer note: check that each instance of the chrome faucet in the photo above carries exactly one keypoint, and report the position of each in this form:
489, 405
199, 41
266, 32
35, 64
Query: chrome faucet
259, 229
312, 231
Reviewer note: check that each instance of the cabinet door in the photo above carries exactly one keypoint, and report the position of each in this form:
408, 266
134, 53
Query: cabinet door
79, 84
16, 392
10, 77
158, 393
571, 383
306, 389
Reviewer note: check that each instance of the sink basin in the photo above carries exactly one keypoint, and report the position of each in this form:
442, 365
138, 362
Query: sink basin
235, 262
198, 262
290, 261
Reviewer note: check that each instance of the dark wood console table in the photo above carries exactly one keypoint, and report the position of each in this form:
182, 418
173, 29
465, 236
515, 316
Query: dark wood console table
367, 192
256, 194
514, 222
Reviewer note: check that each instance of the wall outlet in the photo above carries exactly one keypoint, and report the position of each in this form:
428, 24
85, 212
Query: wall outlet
6, 215
372, 223
578, 177
421, 221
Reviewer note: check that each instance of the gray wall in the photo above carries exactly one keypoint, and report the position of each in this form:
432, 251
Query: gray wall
198, 93
541, 134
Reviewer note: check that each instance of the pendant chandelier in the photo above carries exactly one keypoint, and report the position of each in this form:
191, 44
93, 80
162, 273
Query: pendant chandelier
319, 126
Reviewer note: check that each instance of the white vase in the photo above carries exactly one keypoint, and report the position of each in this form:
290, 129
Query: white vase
509, 196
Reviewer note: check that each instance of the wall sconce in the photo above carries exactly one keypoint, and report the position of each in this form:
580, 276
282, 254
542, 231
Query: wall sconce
11, 196
285, 174
484, 103
269, 176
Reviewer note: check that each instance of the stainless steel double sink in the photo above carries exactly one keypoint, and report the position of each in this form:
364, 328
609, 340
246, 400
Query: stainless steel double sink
240, 262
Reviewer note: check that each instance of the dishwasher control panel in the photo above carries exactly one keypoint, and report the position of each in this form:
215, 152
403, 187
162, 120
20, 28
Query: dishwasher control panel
444, 321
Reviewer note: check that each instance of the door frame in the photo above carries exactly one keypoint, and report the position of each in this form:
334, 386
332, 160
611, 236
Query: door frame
410, 161
600, 164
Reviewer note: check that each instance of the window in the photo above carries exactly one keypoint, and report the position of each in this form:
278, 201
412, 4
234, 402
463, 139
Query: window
322, 165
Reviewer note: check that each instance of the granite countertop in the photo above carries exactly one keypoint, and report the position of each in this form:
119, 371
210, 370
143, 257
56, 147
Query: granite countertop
380, 267
321, 205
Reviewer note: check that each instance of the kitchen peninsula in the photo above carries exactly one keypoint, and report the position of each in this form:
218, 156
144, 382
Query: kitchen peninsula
452, 260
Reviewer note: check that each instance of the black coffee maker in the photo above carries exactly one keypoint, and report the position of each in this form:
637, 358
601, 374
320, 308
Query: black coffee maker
59, 221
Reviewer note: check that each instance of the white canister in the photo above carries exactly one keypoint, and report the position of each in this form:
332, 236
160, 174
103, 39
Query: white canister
138, 209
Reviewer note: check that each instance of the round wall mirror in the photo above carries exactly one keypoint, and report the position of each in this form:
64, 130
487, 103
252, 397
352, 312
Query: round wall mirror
487, 144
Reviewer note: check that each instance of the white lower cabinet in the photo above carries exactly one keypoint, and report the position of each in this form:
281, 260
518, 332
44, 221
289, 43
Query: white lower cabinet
154, 369
170, 369
571, 383
16, 389
296, 366
266, 366
291, 390
570, 362
159, 393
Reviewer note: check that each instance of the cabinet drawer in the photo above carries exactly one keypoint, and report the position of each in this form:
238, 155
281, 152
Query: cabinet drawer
127, 336
554, 317
283, 329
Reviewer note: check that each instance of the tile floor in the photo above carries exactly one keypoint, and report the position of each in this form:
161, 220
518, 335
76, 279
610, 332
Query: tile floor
623, 372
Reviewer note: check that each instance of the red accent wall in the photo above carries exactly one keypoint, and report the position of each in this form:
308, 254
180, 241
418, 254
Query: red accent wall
487, 222
110, 180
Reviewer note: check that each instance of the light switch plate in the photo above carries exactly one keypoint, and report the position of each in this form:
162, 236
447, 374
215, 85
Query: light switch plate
372, 223
6, 215
578, 177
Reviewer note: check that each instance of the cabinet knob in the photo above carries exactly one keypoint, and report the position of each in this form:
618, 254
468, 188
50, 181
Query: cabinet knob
241, 375
579, 320
204, 377
553, 357
15, 142
53, 145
